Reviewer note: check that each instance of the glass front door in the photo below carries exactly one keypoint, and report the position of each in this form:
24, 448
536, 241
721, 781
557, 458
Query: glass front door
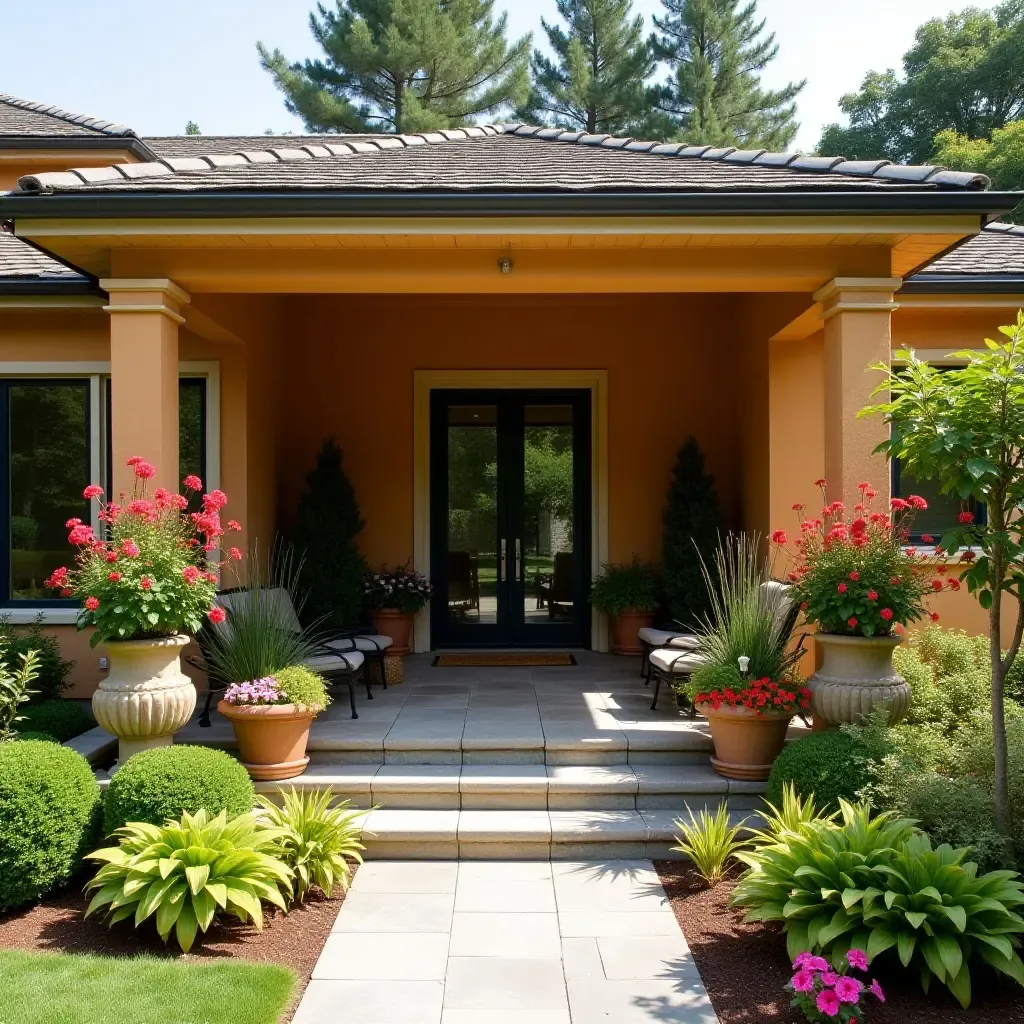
510, 511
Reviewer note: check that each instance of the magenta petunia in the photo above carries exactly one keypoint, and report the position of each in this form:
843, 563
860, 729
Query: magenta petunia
828, 1002
848, 990
857, 958
803, 981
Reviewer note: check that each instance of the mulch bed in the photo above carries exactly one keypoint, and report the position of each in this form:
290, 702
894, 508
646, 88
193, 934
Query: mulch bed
744, 967
292, 940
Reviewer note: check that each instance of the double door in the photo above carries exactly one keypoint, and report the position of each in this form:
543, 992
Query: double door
510, 517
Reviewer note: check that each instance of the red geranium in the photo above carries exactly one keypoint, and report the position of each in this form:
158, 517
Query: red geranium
761, 696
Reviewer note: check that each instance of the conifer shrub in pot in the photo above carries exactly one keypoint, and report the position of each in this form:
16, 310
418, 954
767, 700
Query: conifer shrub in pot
859, 582
146, 584
627, 592
271, 718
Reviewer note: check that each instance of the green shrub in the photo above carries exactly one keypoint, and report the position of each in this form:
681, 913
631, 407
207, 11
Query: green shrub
317, 840
927, 705
951, 651
157, 785
43, 737
710, 842
303, 686
49, 806
831, 765
16, 678
63, 719
623, 587
52, 668
876, 885
186, 871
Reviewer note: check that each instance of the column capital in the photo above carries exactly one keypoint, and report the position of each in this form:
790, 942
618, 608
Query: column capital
145, 295
858, 295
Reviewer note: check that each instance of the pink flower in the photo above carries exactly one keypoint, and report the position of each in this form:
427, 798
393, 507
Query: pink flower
811, 962
803, 981
58, 579
81, 535
848, 990
192, 482
92, 491
820, 483
779, 537
145, 470
92, 603
857, 958
234, 524
798, 507
179, 501
130, 548
146, 583
216, 615
916, 501
114, 577
134, 460
872, 595
876, 991
854, 575
235, 553
191, 574
886, 614
842, 588
828, 1002
111, 557
215, 500
829, 978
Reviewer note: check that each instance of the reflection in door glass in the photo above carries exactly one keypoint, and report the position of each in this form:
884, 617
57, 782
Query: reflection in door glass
548, 514
473, 513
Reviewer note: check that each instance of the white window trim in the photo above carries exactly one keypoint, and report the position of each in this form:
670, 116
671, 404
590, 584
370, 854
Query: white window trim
97, 372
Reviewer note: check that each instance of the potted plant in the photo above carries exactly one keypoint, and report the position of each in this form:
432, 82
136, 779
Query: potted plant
859, 583
394, 597
271, 719
144, 586
629, 594
747, 686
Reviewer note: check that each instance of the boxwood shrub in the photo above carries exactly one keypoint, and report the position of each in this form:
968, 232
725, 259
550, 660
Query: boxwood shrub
828, 764
158, 784
49, 811
62, 719
44, 736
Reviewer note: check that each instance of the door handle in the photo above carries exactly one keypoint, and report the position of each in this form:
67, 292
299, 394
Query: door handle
503, 560
519, 561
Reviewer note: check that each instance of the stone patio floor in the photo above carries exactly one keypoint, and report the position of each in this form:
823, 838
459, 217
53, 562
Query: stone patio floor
497, 942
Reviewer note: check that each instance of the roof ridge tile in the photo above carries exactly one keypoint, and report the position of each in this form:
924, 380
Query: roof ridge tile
96, 124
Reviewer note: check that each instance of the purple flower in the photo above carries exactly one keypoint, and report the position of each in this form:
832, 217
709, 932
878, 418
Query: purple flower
848, 990
829, 978
256, 691
828, 1002
803, 981
876, 991
811, 962
857, 958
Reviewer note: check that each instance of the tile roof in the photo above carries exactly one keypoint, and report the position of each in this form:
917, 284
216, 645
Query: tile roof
199, 145
21, 263
500, 158
20, 117
998, 249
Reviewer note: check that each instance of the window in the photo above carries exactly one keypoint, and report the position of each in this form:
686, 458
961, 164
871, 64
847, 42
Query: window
54, 440
46, 460
943, 509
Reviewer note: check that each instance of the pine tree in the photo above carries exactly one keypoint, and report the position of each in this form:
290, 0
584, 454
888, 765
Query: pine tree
334, 570
717, 50
692, 524
597, 81
403, 66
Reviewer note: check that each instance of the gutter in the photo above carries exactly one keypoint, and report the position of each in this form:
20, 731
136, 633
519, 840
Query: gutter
44, 286
110, 203
964, 284
59, 143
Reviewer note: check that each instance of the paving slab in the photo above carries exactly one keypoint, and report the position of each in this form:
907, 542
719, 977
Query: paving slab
482, 895
396, 912
506, 935
370, 1002
395, 876
521, 984
383, 956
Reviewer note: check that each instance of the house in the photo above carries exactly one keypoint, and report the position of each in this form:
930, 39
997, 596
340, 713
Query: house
453, 306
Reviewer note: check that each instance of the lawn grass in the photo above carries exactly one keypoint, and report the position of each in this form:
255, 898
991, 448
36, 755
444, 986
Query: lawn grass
57, 988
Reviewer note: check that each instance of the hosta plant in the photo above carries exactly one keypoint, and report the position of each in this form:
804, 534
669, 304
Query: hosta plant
317, 838
710, 842
187, 872
876, 884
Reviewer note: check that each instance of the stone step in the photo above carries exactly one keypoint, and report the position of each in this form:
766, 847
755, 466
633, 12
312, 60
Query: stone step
496, 787
522, 834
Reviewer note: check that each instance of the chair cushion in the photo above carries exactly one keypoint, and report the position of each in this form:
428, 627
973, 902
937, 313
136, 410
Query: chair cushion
369, 642
676, 662
666, 638
348, 661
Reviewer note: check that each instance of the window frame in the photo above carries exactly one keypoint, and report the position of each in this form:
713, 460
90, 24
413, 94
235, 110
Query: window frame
60, 611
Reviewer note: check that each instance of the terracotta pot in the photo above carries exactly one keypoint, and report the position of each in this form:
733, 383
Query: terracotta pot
855, 677
746, 743
625, 628
395, 624
145, 698
271, 737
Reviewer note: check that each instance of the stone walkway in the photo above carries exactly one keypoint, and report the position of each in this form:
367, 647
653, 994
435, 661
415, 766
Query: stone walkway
497, 942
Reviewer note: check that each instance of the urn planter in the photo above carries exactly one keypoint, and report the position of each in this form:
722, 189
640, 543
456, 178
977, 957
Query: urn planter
271, 738
395, 624
746, 743
856, 676
625, 628
146, 698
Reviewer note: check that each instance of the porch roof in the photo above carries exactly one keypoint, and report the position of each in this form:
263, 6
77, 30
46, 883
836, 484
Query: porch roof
25, 270
991, 261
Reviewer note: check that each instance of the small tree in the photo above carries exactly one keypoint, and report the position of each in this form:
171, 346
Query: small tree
334, 569
965, 428
692, 524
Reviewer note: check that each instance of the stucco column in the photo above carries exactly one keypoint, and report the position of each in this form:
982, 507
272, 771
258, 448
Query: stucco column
856, 317
144, 320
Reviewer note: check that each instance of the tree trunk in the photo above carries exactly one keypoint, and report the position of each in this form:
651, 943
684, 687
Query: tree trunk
999, 746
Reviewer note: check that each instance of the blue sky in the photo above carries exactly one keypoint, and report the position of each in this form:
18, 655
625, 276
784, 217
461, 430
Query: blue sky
155, 66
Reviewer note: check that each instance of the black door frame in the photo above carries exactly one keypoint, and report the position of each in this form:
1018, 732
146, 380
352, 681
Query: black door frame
511, 630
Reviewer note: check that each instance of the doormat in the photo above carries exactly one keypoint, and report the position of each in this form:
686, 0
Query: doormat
503, 660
